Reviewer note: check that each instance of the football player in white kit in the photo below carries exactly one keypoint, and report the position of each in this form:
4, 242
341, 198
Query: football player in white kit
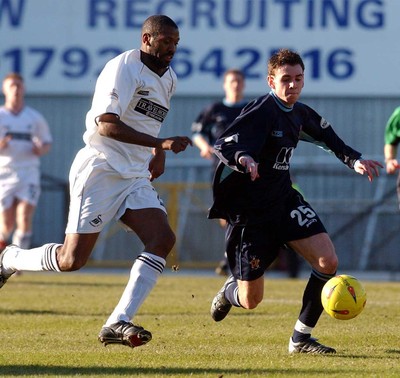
24, 137
111, 176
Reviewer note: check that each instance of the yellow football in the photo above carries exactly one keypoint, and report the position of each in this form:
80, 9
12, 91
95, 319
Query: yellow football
343, 297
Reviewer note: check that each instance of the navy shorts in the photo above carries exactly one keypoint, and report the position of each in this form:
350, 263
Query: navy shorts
253, 240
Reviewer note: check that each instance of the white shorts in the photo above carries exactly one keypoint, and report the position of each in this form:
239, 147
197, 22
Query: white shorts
99, 194
23, 184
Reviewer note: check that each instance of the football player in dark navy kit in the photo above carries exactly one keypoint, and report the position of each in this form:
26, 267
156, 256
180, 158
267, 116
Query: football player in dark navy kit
213, 121
216, 118
253, 192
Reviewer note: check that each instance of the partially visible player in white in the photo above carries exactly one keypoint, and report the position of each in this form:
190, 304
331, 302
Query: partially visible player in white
24, 137
111, 176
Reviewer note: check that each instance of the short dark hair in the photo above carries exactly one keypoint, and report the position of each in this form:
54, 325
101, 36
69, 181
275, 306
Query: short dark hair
13, 75
156, 23
282, 57
233, 71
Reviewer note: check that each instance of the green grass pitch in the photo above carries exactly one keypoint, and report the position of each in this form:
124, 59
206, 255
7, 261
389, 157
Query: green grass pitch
49, 325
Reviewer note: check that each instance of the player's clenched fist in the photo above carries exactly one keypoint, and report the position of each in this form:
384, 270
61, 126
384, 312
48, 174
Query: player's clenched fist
176, 144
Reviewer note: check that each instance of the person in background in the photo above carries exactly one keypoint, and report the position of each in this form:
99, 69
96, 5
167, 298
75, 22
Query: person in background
24, 137
253, 191
392, 140
110, 177
213, 121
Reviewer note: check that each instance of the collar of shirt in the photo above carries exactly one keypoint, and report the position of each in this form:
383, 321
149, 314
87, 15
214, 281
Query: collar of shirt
281, 105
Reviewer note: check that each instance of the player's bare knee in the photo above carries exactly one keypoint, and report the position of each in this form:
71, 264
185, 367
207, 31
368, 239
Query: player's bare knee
328, 264
250, 302
333, 263
161, 244
170, 240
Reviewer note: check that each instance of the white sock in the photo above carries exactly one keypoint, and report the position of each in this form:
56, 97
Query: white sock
31, 260
302, 328
144, 274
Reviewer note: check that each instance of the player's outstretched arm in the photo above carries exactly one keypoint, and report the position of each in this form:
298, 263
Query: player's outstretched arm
370, 167
176, 144
110, 126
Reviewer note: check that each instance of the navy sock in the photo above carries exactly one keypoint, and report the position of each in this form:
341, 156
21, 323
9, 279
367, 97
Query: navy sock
312, 308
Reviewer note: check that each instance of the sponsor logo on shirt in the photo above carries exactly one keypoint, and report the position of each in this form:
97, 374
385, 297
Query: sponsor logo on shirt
283, 159
144, 93
151, 109
19, 136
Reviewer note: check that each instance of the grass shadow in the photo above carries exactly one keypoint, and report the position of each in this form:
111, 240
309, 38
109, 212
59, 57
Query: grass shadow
59, 370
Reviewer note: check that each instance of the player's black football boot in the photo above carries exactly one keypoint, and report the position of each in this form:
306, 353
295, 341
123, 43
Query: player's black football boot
4, 277
220, 305
311, 346
124, 333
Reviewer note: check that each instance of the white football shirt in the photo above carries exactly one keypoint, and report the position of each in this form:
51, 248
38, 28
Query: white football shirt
140, 98
23, 128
